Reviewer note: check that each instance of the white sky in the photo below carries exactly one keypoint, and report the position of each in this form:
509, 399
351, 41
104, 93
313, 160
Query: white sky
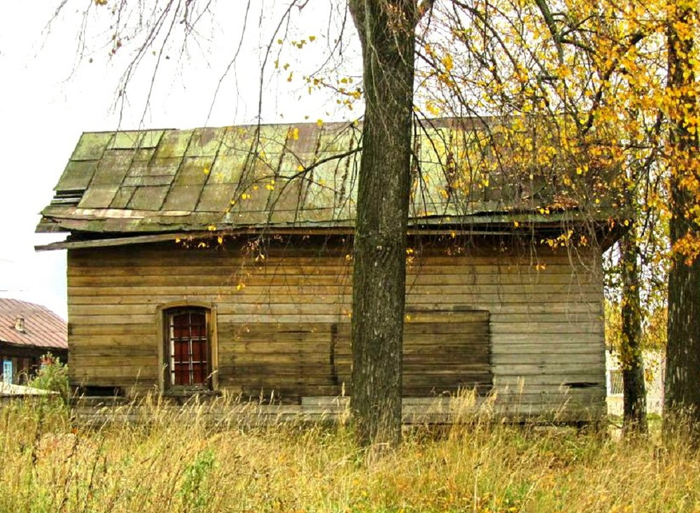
46, 103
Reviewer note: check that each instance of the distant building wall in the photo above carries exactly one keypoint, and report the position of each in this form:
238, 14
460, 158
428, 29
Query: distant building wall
654, 368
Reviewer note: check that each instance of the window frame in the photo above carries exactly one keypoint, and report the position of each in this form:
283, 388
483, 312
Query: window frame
164, 355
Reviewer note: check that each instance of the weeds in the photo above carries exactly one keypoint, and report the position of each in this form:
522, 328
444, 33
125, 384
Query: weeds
190, 460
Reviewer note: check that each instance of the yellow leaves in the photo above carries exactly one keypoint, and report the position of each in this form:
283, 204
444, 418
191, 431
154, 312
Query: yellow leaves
206, 170
432, 108
100, 2
300, 168
447, 62
240, 285
319, 123
293, 133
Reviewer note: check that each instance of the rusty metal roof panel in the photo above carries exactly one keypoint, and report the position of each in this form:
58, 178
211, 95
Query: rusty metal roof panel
98, 196
183, 197
163, 166
122, 198
151, 138
91, 146
77, 175
205, 142
194, 171
112, 168
127, 140
173, 144
284, 175
216, 197
148, 197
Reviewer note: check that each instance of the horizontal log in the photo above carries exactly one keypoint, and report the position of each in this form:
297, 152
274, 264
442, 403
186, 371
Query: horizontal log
325, 275
511, 313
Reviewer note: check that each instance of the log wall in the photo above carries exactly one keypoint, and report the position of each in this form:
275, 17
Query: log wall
529, 322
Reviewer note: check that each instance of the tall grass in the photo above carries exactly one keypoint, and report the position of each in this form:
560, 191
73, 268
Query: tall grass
181, 461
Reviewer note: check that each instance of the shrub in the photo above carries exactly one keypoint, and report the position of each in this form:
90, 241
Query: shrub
53, 376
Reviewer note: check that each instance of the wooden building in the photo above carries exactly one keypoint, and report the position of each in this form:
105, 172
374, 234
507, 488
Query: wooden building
220, 259
28, 332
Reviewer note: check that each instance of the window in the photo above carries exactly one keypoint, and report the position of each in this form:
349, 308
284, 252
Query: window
615, 382
188, 353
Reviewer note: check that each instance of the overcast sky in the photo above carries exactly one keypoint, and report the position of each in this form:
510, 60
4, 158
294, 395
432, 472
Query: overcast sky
46, 102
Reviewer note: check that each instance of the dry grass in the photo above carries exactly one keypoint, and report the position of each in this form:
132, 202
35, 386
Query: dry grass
179, 462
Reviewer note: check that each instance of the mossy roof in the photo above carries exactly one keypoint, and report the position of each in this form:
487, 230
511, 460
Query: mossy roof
295, 176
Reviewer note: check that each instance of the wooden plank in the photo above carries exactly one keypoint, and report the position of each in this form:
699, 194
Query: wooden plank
328, 275
304, 252
556, 347
78, 329
128, 285
435, 296
515, 381
566, 369
547, 328
545, 312
546, 338
119, 360
546, 358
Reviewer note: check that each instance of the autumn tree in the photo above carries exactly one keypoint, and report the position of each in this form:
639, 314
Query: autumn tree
587, 77
682, 394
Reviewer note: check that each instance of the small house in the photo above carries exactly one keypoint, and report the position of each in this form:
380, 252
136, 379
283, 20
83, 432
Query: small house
28, 332
219, 259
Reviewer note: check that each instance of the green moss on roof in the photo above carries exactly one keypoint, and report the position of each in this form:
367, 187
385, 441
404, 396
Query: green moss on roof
291, 175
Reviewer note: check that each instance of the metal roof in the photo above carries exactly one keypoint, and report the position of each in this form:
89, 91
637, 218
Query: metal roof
299, 176
28, 324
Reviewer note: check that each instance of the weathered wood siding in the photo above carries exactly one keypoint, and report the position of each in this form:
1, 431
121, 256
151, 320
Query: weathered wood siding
277, 318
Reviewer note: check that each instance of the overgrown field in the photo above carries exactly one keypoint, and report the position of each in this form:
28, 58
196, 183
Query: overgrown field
179, 462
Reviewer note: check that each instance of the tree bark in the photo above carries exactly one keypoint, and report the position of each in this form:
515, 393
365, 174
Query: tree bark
682, 386
631, 356
386, 29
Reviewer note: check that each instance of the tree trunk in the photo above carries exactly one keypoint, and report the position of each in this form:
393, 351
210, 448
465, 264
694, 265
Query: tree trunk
682, 388
634, 398
386, 29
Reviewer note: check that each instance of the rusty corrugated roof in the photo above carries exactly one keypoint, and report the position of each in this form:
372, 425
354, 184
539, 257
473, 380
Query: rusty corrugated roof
28, 324
297, 175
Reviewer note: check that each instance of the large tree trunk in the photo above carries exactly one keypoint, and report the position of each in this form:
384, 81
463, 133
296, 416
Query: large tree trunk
635, 414
682, 394
386, 29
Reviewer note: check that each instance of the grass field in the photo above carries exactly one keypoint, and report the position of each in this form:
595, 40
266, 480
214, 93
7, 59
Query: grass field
179, 462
